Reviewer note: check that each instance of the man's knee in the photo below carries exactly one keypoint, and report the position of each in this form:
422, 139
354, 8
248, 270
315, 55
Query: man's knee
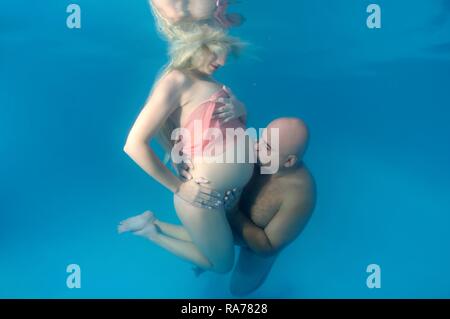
224, 263
237, 289
250, 272
223, 267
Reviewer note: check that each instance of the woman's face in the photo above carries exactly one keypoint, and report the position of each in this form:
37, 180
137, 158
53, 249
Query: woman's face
213, 62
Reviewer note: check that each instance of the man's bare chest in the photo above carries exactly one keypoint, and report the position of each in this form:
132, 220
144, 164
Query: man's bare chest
261, 200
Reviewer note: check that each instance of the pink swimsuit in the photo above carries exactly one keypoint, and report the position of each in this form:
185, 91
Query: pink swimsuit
201, 117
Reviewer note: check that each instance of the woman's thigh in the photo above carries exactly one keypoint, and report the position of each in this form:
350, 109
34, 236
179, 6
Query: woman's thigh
210, 232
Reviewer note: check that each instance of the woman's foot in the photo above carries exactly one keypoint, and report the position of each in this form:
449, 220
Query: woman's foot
150, 231
136, 223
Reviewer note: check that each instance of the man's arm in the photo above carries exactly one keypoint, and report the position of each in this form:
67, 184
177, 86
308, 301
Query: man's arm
290, 219
284, 227
248, 234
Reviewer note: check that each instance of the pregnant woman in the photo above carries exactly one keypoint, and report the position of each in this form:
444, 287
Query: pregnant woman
186, 95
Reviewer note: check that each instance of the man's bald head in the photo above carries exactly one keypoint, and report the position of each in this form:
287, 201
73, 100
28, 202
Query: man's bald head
293, 139
293, 135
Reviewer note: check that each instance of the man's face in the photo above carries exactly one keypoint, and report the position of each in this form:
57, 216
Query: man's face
262, 146
267, 149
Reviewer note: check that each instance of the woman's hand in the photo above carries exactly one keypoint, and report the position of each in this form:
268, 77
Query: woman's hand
231, 198
232, 109
193, 191
198, 195
183, 169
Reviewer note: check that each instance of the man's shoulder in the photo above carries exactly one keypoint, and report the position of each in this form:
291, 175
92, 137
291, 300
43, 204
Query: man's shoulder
299, 184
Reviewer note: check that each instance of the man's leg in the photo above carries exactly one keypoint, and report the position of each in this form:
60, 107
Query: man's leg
250, 272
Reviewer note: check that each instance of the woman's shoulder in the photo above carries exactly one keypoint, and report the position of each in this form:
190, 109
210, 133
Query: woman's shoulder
176, 77
173, 83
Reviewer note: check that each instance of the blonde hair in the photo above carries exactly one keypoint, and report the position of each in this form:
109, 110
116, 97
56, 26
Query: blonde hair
191, 49
188, 52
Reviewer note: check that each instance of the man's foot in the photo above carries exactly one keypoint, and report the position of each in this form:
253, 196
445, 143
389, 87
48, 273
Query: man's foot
136, 223
150, 231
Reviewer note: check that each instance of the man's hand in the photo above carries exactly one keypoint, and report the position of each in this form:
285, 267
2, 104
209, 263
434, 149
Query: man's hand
198, 195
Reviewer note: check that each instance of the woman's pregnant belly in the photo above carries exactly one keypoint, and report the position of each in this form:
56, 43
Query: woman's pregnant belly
225, 174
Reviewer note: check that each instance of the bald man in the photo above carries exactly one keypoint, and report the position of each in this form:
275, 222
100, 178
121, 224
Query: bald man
273, 209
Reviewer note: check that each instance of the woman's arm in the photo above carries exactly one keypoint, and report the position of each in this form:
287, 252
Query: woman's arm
164, 100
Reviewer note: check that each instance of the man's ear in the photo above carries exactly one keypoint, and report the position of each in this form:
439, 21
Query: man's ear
291, 161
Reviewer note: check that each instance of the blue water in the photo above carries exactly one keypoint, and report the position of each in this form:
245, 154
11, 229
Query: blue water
376, 102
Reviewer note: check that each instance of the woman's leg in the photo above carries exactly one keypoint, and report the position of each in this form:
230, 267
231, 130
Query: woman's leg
205, 240
138, 222
210, 232
174, 231
183, 249
147, 226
